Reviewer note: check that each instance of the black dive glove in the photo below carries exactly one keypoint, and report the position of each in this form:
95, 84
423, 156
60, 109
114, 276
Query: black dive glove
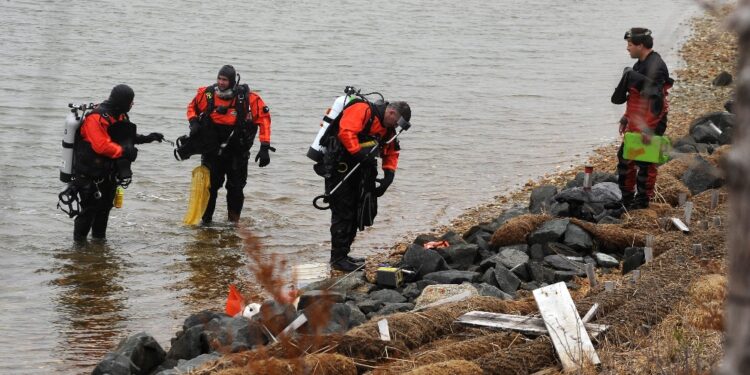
385, 182
263, 156
129, 152
140, 139
194, 125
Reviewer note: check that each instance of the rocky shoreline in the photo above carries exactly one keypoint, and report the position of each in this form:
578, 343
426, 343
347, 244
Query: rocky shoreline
492, 257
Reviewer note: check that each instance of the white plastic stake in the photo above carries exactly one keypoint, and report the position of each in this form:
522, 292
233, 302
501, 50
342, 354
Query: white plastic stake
649, 240
714, 199
590, 314
636, 276
680, 225
697, 249
609, 286
385, 333
296, 323
648, 253
717, 221
591, 274
688, 212
681, 198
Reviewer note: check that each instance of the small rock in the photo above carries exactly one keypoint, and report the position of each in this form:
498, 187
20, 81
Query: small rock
142, 350
452, 276
550, 231
489, 277
633, 261
604, 260
701, 176
422, 260
388, 296
540, 273
434, 293
370, 305
114, 364
536, 252
492, 291
310, 297
541, 197
187, 367
722, 79
564, 263
506, 280
391, 308
577, 238
356, 316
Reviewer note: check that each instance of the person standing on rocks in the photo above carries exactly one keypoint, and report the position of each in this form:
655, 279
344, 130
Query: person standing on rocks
644, 89
361, 126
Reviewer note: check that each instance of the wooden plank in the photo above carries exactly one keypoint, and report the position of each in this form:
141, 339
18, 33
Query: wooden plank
565, 327
525, 324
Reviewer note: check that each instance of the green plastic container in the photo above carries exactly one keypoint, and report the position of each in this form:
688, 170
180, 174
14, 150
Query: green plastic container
655, 152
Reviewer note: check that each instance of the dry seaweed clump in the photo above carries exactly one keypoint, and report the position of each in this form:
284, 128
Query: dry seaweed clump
413, 329
318, 364
669, 188
461, 350
523, 359
516, 229
457, 367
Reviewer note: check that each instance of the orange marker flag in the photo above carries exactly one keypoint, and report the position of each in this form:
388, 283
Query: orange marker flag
234, 301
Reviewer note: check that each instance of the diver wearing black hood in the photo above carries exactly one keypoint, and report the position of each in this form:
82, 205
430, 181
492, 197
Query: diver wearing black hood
103, 150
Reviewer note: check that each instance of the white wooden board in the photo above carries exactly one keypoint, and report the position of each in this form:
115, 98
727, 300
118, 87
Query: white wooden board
525, 324
566, 330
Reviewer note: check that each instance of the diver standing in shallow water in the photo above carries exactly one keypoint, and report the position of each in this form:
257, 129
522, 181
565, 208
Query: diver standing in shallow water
224, 119
103, 150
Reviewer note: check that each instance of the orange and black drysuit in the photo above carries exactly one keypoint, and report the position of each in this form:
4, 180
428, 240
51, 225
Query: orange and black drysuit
230, 122
645, 89
354, 203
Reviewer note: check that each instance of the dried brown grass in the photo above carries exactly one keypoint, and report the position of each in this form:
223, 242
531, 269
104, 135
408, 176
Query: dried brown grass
413, 329
515, 230
523, 359
455, 367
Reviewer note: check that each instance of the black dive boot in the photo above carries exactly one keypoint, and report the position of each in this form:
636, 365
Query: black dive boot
340, 262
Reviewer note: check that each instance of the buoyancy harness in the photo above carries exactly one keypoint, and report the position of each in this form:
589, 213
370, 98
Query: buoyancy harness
327, 149
82, 165
210, 138
337, 165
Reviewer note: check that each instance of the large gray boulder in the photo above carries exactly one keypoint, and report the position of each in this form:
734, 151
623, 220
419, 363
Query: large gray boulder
387, 296
492, 291
596, 177
461, 256
139, 354
312, 296
541, 198
507, 281
550, 231
578, 239
452, 277
605, 260
701, 176
424, 261
564, 263
114, 364
187, 367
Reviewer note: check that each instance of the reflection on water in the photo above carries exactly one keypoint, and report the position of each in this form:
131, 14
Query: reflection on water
213, 259
91, 302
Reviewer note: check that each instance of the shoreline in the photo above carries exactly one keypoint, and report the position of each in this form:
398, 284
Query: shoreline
687, 102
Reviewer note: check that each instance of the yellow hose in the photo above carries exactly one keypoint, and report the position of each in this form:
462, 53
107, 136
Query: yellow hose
198, 195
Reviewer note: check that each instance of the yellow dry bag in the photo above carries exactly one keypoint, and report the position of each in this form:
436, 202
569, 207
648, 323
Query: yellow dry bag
198, 195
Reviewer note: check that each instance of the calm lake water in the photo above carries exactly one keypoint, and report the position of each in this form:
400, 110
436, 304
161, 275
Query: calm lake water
501, 92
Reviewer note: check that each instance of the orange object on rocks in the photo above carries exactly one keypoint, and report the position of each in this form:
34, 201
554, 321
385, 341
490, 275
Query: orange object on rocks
436, 244
235, 302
